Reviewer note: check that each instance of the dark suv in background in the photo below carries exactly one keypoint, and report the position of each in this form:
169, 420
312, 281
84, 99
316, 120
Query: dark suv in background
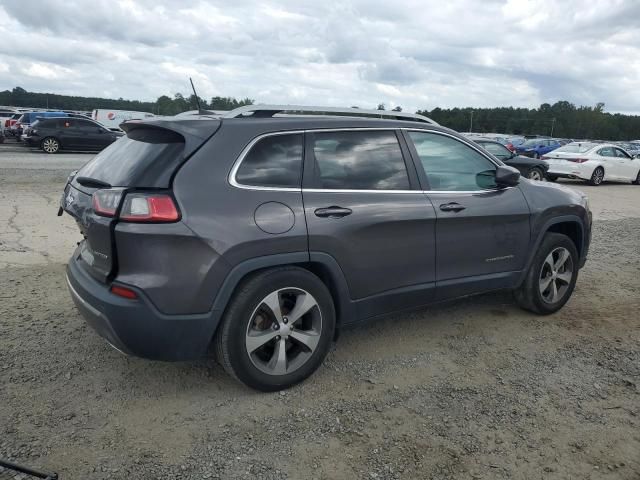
68, 133
263, 232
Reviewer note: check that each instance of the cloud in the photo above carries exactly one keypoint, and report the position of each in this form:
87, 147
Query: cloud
414, 53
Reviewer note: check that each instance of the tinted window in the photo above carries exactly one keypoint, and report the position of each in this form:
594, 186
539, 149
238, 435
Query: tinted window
498, 150
451, 165
274, 161
366, 160
145, 157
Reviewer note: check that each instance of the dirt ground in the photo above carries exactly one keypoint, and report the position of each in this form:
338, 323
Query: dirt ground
475, 389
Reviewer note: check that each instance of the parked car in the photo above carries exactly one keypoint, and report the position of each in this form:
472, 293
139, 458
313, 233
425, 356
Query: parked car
112, 119
5, 114
536, 147
531, 168
9, 124
208, 231
54, 134
593, 162
27, 118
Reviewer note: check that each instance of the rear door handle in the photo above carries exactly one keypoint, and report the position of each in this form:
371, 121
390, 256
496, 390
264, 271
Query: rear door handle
451, 207
332, 212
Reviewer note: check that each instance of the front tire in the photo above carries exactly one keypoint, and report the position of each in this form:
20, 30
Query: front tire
637, 180
597, 177
277, 329
551, 277
535, 174
50, 145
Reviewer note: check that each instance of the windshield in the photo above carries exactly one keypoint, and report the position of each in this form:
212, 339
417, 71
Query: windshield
576, 148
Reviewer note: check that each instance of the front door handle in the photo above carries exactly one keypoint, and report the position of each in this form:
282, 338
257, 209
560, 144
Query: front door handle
451, 207
332, 212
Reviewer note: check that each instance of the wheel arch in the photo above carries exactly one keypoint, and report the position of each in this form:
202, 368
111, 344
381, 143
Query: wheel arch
324, 266
569, 225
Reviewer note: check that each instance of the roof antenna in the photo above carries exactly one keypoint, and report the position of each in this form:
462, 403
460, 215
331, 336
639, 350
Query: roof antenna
200, 110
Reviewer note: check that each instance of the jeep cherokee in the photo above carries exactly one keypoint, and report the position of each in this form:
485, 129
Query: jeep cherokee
262, 232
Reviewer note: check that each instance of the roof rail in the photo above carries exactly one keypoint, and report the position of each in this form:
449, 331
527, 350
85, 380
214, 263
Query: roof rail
262, 111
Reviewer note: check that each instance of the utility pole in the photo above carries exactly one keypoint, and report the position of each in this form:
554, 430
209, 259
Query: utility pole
553, 123
471, 125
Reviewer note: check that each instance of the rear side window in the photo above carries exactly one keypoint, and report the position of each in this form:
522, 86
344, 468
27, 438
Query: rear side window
145, 157
359, 160
273, 161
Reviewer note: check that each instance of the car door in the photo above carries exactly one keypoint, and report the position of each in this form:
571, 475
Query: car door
607, 157
482, 231
71, 136
627, 167
364, 208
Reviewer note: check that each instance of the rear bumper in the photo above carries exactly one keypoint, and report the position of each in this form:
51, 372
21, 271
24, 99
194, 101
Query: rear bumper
136, 327
31, 141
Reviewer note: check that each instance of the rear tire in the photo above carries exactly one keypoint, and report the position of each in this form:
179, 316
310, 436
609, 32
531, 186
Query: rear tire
551, 277
637, 180
535, 173
50, 145
264, 341
597, 177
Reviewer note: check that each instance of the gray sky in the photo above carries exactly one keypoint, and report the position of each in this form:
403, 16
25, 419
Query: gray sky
414, 53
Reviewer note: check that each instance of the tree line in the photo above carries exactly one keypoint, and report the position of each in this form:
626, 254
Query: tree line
562, 119
164, 105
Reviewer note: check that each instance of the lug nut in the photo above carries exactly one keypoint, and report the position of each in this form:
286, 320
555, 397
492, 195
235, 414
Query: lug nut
285, 320
277, 337
276, 326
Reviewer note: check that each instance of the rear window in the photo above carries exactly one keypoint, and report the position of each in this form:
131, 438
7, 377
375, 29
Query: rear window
576, 148
145, 157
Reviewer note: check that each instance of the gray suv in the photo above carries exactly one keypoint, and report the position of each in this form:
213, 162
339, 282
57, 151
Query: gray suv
262, 232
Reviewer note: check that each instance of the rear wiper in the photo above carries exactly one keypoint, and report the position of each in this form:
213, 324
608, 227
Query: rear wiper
92, 182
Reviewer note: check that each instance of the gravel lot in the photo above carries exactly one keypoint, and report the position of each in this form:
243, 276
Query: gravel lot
472, 389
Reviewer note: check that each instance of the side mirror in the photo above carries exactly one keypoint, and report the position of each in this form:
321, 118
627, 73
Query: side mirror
507, 176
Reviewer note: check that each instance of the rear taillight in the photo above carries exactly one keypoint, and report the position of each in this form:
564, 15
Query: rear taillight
105, 202
578, 160
544, 158
149, 207
137, 206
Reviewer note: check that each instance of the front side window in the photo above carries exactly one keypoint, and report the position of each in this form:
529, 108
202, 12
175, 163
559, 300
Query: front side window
359, 160
451, 165
620, 153
274, 161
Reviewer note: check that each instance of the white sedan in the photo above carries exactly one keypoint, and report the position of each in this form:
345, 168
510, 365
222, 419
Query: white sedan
593, 162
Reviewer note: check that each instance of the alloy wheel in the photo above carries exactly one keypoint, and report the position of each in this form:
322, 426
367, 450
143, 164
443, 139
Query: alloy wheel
598, 176
284, 331
535, 175
556, 275
50, 145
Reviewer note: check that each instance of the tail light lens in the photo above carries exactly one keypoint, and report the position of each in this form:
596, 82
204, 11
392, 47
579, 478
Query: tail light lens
124, 292
137, 206
149, 207
544, 158
578, 160
105, 202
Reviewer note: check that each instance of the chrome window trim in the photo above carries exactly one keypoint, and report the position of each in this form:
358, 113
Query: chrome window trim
233, 182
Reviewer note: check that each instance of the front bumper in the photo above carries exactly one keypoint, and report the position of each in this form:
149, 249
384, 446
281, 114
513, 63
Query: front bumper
136, 327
